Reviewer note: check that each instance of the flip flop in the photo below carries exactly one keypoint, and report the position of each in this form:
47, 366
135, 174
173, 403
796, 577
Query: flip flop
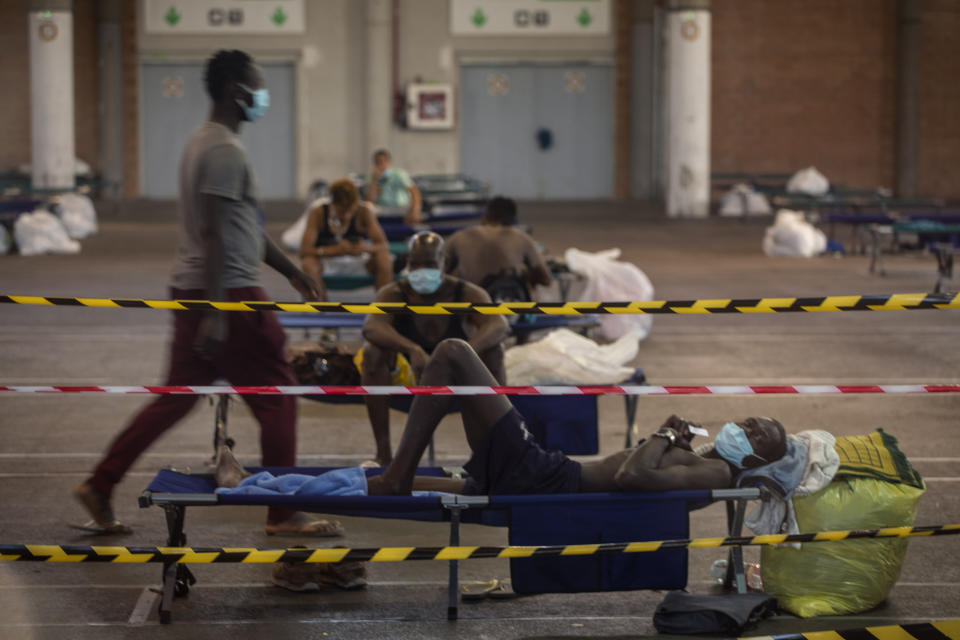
114, 528
473, 591
503, 591
316, 529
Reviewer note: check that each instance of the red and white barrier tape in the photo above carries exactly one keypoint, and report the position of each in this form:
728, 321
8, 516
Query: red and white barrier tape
552, 390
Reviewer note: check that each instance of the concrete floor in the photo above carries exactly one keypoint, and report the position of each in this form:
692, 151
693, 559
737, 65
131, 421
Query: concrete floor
49, 443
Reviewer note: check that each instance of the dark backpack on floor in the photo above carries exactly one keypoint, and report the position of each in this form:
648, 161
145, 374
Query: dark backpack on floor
685, 613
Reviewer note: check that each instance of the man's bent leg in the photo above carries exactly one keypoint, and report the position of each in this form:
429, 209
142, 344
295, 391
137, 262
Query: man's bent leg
453, 362
493, 359
376, 371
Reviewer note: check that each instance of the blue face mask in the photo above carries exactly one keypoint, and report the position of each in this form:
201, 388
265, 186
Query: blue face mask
425, 281
261, 100
733, 445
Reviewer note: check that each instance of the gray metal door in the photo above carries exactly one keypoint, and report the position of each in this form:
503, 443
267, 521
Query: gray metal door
174, 103
539, 131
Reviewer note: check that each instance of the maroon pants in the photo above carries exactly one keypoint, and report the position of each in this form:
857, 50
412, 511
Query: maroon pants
252, 355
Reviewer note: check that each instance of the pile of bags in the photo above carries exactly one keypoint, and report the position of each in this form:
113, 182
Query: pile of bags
743, 200
792, 236
41, 231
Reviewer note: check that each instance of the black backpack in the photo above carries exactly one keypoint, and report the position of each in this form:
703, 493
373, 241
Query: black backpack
685, 613
507, 286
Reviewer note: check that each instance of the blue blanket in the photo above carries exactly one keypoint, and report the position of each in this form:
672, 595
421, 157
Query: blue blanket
349, 481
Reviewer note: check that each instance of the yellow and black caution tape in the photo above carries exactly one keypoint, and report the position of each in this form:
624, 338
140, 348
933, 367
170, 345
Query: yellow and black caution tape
889, 302
938, 630
207, 555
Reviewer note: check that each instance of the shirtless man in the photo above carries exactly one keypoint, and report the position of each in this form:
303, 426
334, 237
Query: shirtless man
496, 248
416, 336
506, 460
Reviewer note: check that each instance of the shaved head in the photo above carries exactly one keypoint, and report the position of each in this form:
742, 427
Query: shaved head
426, 251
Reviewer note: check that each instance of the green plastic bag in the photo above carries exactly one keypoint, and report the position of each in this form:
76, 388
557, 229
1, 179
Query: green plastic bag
849, 576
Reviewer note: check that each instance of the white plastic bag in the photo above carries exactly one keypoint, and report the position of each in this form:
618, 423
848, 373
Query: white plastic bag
809, 181
42, 232
793, 236
609, 280
292, 237
78, 215
565, 357
742, 200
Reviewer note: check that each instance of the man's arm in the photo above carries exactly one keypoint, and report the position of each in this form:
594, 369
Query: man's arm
278, 260
373, 188
537, 271
378, 239
413, 213
213, 330
656, 465
490, 330
378, 329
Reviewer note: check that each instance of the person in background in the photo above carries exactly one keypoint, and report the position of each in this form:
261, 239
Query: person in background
392, 188
222, 243
498, 256
344, 230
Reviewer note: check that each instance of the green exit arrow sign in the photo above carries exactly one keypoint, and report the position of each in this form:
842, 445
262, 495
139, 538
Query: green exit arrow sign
172, 16
479, 18
584, 18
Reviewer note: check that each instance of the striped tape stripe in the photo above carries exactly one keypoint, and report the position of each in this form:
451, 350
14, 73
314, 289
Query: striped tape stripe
939, 630
587, 390
206, 555
888, 302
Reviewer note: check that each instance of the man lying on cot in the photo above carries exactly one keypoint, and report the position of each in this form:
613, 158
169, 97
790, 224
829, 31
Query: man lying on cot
506, 460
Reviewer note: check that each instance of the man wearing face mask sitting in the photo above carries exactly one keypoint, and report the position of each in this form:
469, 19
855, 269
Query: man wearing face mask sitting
390, 338
506, 460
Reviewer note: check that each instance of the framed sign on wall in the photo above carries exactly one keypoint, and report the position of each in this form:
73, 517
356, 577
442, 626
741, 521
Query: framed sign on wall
430, 106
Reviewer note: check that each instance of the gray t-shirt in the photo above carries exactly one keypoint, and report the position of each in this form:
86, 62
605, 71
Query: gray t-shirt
214, 162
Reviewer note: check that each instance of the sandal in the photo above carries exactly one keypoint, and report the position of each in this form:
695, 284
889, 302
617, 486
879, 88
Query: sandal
301, 525
99, 507
503, 591
472, 591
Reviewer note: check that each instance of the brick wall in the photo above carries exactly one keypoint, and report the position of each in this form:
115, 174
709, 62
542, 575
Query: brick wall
130, 86
86, 81
806, 82
15, 81
938, 126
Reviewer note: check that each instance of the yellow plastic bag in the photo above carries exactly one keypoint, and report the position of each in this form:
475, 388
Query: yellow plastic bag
400, 374
836, 578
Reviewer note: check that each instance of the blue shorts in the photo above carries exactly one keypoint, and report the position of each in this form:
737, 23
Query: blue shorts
510, 462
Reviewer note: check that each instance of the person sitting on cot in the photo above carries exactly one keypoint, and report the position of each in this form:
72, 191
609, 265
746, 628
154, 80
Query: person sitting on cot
401, 341
506, 459
342, 234
497, 255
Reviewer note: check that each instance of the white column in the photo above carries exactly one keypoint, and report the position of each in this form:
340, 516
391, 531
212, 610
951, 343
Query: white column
51, 98
688, 108
378, 73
